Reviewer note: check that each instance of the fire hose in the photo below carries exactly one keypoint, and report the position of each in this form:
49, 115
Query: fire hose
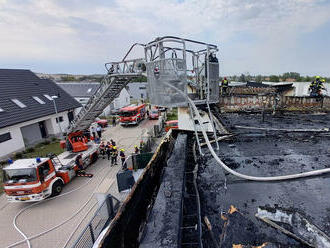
235, 173
27, 239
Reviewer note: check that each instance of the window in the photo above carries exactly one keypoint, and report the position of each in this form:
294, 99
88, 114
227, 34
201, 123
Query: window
59, 119
48, 97
15, 175
142, 96
38, 100
1, 110
142, 88
4, 137
44, 170
18, 103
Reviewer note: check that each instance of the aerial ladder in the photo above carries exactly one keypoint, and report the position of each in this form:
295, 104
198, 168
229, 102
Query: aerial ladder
119, 74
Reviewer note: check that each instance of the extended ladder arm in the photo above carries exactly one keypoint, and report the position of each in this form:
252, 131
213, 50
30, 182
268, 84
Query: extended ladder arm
118, 76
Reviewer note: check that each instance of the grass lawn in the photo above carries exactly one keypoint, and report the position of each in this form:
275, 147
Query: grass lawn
40, 150
172, 115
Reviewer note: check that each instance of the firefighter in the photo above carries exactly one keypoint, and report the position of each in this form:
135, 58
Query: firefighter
315, 87
224, 86
80, 163
136, 149
102, 149
99, 131
93, 131
321, 84
108, 149
113, 143
122, 158
114, 154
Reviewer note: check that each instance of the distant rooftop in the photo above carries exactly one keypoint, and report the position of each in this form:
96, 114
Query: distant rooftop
80, 89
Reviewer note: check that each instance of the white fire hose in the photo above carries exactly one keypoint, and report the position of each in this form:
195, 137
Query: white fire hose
240, 175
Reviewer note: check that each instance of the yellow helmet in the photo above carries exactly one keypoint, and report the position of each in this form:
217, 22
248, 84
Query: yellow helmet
323, 80
115, 147
317, 77
135, 146
122, 150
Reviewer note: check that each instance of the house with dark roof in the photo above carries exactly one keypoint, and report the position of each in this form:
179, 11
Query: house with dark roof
31, 109
82, 91
138, 90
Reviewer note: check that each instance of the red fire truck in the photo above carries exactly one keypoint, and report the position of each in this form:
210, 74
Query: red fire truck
36, 179
132, 115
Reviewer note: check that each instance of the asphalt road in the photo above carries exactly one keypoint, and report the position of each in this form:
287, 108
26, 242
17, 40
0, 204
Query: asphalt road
53, 212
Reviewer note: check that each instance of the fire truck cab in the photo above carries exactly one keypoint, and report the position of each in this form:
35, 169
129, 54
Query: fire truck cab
36, 179
31, 180
132, 115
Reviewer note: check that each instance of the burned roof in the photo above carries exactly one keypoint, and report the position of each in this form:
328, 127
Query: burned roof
264, 209
24, 97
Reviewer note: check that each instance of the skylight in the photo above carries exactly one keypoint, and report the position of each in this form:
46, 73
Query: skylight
1, 110
89, 90
18, 103
48, 97
38, 100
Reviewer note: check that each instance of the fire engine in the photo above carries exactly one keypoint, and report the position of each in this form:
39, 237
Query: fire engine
132, 114
36, 179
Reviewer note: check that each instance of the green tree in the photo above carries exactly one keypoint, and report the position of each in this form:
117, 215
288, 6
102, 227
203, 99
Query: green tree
294, 75
68, 78
274, 78
259, 79
242, 78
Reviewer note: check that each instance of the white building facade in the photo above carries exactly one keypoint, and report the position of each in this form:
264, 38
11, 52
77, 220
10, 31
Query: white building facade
31, 110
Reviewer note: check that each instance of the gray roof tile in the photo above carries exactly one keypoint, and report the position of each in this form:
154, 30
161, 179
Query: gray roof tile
79, 89
23, 85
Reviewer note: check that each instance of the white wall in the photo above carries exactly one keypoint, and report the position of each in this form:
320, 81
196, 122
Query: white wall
16, 143
55, 127
123, 99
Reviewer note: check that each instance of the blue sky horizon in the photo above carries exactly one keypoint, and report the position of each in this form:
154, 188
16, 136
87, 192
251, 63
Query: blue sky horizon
79, 36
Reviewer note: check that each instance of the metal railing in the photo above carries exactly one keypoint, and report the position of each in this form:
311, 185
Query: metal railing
102, 217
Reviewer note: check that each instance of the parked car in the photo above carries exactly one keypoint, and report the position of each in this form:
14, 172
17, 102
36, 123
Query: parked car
102, 122
154, 114
161, 109
174, 124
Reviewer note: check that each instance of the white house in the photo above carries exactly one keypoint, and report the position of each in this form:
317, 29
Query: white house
137, 90
31, 109
82, 91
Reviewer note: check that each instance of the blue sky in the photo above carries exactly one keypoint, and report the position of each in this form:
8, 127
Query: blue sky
79, 36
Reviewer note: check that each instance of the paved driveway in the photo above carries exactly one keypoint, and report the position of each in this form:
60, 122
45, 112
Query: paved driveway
53, 212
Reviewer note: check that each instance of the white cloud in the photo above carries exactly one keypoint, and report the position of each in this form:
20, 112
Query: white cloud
100, 30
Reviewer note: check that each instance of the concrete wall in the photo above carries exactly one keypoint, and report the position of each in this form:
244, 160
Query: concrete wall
256, 103
137, 90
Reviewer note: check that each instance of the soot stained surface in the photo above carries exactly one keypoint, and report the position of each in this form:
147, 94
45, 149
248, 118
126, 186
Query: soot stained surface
266, 154
162, 228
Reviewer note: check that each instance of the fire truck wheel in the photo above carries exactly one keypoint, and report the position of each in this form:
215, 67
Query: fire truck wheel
57, 188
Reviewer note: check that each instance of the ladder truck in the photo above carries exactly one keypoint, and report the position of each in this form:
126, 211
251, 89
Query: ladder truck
31, 180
